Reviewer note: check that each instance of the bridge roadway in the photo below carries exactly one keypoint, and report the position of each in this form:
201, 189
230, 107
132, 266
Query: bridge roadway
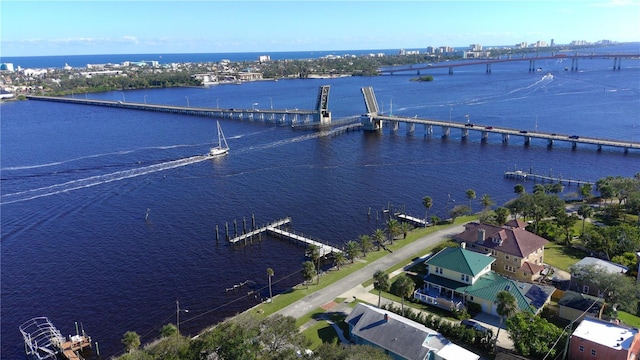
287, 116
505, 132
574, 62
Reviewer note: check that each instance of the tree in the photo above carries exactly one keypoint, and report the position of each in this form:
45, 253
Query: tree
470, 194
427, 202
229, 340
314, 254
365, 243
380, 283
506, 307
618, 290
278, 335
405, 227
393, 229
332, 351
339, 259
585, 191
533, 336
502, 214
435, 219
379, 235
270, 275
352, 249
308, 272
131, 341
584, 211
539, 189
459, 210
565, 222
519, 189
403, 287
486, 202
168, 330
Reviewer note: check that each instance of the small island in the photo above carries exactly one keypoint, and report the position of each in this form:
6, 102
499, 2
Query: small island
423, 78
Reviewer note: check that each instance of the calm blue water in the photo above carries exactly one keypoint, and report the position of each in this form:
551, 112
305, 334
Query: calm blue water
77, 181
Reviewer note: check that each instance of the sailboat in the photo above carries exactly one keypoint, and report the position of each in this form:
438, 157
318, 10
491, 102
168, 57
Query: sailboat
222, 148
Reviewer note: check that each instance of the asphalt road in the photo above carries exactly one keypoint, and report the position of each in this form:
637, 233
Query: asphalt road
329, 293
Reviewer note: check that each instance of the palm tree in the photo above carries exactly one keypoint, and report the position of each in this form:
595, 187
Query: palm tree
405, 227
585, 191
379, 235
405, 287
352, 249
519, 189
393, 228
470, 194
539, 189
365, 243
339, 259
506, 307
427, 202
486, 201
270, 274
585, 211
380, 283
308, 272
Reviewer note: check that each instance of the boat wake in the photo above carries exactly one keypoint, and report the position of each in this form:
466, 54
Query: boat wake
96, 180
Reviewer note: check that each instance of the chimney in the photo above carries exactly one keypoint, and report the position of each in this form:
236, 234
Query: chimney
386, 317
481, 236
463, 245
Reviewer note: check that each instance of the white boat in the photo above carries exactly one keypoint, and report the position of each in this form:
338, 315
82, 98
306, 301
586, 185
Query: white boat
222, 148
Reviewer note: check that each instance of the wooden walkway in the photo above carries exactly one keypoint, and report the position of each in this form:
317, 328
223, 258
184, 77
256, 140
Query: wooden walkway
535, 177
77, 343
325, 249
255, 232
412, 219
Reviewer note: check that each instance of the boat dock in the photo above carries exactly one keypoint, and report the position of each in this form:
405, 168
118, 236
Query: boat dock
325, 249
523, 175
411, 219
274, 229
43, 341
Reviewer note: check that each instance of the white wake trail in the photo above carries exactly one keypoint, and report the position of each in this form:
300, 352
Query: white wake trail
96, 180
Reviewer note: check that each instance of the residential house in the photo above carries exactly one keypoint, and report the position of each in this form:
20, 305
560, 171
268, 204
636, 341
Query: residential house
401, 338
456, 276
587, 287
599, 339
519, 253
574, 306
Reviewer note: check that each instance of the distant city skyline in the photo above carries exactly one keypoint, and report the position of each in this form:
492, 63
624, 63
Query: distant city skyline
43, 28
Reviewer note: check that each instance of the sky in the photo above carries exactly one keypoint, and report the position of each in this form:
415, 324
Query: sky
43, 28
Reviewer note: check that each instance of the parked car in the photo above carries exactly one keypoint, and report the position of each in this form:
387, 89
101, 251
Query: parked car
472, 324
488, 127
468, 125
523, 131
574, 137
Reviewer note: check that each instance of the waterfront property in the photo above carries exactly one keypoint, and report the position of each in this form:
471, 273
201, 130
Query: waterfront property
401, 338
457, 276
43, 341
519, 253
589, 287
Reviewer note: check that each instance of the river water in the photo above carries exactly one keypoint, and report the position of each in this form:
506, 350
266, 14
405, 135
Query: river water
78, 181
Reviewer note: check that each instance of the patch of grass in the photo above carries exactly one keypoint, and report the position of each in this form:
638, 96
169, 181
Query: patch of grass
561, 256
629, 319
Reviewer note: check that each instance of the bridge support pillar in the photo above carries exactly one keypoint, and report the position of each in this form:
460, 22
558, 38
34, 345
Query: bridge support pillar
574, 64
395, 125
574, 144
616, 63
464, 133
550, 143
450, 70
370, 123
532, 65
446, 131
428, 129
505, 138
599, 147
411, 127
488, 71
485, 135
527, 140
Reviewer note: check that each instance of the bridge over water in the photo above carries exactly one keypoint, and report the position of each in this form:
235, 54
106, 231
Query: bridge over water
372, 121
617, 61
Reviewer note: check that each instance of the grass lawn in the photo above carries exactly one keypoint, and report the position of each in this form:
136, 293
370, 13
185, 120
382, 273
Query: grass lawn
561, 256
629, 319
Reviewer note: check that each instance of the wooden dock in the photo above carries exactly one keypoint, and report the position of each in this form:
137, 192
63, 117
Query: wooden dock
325, 249
523, 175
77, 343
274, 229
412, 219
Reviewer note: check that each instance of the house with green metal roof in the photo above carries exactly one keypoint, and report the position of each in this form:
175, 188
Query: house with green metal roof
456, 276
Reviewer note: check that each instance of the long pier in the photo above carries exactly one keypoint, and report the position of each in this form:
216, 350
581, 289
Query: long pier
518, 174
274, 229
312, 118
412, 219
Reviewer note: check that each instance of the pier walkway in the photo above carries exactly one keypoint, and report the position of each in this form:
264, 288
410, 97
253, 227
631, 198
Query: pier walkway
325, 249
258, 231
412, 219
536, 177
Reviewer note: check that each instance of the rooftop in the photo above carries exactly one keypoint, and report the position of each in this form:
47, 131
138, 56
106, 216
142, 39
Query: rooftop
605, 333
